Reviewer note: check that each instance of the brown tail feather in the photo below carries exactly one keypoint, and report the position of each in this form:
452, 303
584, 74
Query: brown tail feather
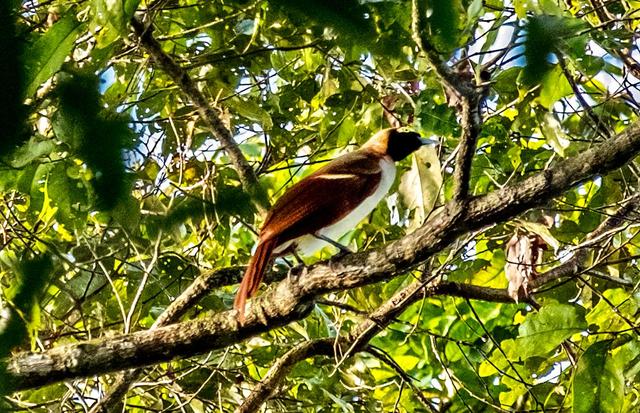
253, 275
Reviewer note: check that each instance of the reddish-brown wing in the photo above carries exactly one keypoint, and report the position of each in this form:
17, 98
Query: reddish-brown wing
323, 197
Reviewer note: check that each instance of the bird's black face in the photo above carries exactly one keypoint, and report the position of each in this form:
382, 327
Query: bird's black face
402, 144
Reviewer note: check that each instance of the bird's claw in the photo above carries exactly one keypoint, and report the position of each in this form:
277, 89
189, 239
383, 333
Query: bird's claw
260, 312
294, 270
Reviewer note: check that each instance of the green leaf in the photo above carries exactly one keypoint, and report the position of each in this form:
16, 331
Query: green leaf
232, 200
252, 111
420, 186
552, 131
520, 8
604, 316
542, 332
444, 20
474, 10
49, 51
98, 138
127, 212
69, 197
545, 34
30, 151
554, 87
598, 385
348, 17
115, 13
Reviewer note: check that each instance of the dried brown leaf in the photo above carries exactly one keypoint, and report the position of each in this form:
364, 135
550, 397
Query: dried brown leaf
523, 253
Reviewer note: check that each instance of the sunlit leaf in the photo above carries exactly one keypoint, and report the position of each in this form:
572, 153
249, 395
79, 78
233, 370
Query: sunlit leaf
420, 187
552, 131
554, 87
115, 13
544, 331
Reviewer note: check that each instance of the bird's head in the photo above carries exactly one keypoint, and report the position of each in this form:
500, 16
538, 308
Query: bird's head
397, 143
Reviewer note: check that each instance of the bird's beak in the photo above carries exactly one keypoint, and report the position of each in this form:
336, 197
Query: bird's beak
427, 141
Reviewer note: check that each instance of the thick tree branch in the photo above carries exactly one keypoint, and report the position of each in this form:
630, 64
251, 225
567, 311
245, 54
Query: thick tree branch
463, 93
172, 314
209, 114
359, 336
291, 299
470, 122
200, 287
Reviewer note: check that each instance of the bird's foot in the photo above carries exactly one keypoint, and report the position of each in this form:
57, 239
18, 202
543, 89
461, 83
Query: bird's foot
332, 264
295, 270
260, 311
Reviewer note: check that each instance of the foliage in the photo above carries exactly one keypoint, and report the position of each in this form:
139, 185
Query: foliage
108, 169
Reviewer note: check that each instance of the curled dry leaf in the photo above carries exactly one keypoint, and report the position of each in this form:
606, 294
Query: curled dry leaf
523, 254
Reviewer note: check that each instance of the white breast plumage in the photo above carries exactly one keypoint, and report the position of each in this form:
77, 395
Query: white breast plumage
308, 244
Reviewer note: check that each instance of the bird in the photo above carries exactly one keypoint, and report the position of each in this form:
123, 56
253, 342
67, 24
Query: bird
326, 204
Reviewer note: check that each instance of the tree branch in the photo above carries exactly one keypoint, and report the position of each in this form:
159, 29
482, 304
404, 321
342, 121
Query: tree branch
172, 314
470, 123
209, 114
624, 54
359, 336
388, 360
466, 96
291, 299
575, 265
269, 384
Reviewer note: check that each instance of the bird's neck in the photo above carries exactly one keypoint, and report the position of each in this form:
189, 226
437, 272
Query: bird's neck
375, 147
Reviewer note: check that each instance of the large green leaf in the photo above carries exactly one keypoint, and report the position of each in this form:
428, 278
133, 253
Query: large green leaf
97, 137
545, 35
543, 331
554, 87
115, 13
30, 151
598, 384
49, 51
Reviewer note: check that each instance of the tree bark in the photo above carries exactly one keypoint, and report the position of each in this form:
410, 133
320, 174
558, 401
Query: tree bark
292, 298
